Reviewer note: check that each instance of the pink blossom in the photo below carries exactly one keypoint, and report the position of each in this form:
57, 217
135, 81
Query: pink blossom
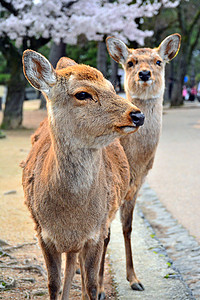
94, 18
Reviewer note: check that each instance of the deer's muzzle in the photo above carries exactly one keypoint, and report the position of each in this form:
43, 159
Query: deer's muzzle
144, 75
137, 118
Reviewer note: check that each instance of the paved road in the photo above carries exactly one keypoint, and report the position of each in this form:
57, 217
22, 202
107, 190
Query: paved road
173, 194
152, 265
175, 176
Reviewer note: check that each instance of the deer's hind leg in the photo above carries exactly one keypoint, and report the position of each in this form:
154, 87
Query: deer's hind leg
126, 212
53, 263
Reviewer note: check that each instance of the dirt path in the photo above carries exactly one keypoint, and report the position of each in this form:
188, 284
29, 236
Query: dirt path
175, 174
22, 269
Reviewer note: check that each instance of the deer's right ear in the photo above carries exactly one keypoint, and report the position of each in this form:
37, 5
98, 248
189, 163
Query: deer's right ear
169, 48
38, 71
117, 50
65, 62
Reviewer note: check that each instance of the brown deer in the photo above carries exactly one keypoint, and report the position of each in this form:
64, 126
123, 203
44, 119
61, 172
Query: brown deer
73, 180
144, 86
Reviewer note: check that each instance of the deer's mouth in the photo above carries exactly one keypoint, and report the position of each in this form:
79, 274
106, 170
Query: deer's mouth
146, 83
128, 129
137, 118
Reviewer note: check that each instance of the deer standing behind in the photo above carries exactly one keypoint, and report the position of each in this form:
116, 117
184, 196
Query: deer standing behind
144, 86
73, 180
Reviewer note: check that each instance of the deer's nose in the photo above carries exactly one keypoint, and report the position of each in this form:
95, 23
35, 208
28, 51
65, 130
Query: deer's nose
137, 118
144, 75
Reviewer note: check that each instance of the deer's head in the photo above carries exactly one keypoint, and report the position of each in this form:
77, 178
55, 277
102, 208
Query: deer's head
82, 105
144, 67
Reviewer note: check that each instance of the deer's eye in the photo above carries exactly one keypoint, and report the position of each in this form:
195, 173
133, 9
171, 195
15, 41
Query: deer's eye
130, 64
158, 62
83, 96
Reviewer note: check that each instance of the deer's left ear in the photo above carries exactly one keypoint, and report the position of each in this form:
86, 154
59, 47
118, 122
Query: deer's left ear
169, 47
38, 71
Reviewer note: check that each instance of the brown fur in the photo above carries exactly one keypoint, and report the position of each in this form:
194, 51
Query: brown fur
73, 180
140, 148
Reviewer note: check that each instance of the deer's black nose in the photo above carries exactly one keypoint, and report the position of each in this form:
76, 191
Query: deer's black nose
137, 118
144, 75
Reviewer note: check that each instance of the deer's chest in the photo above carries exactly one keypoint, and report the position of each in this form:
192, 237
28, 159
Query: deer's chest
69, 224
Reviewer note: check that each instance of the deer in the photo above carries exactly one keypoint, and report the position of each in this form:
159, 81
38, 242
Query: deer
144, 86
76, 174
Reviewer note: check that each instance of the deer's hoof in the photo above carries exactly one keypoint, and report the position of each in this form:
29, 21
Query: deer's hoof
102, 296
137, 286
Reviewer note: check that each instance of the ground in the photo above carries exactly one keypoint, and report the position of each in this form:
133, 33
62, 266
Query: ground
22, 268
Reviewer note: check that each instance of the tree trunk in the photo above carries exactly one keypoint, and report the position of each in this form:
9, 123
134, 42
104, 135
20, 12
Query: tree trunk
102, 57
42, 101
113, 78
13, 115
177, 99
56, 52
169, 82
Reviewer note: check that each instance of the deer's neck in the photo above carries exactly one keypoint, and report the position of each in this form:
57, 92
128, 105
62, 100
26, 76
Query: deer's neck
148, 135
145, 103
77, 168
152, 107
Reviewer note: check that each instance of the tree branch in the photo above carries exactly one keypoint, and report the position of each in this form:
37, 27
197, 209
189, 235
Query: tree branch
194, 21
9, 7
6, 46
35, 44
68, 5
193, 45
164, 28
181, 19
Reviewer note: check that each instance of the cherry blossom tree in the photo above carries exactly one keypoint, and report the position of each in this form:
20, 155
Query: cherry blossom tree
98, 19
26, 24
33, 23
67, 19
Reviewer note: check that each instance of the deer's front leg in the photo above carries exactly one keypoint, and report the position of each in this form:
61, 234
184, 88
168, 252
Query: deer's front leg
53, 263
91, 258
101, 272
71, 259
82, 267
126, 212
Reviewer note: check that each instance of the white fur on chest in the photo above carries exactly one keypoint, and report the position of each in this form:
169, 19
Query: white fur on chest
148, 135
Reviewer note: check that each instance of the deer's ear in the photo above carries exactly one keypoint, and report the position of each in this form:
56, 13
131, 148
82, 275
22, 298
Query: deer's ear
170, 46
117, 50
38, 71
65, 62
